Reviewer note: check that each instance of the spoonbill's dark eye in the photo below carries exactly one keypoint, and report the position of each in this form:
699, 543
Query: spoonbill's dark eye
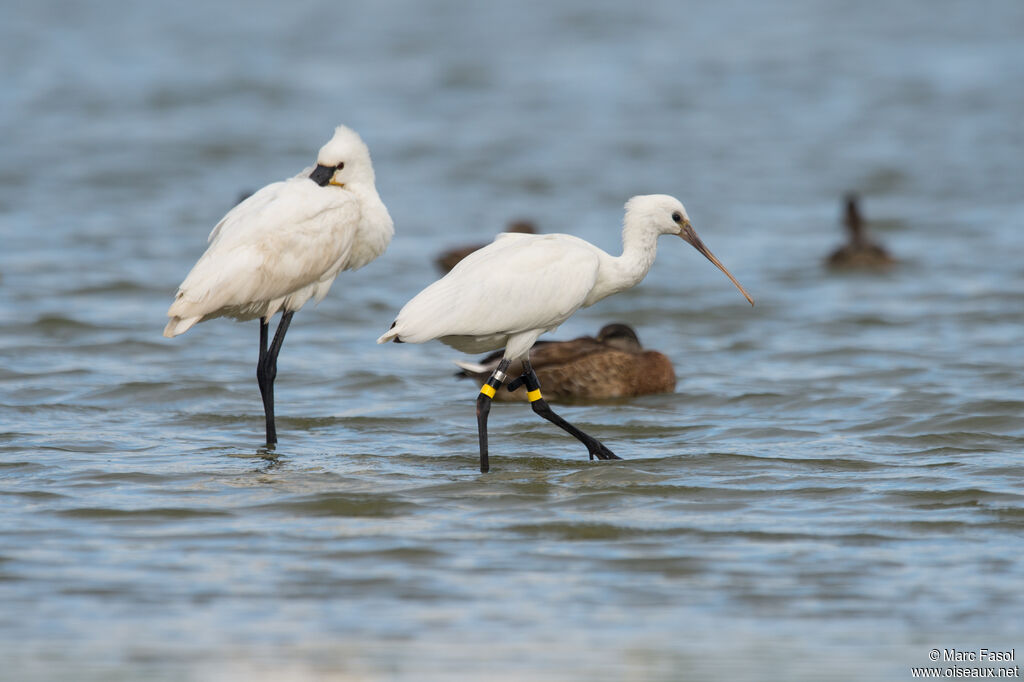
340, 166
677, 217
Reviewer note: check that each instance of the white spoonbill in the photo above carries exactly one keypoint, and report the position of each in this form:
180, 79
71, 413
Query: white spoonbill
520, 286
284, 245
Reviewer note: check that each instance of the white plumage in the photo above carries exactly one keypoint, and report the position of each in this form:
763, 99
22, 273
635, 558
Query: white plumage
521, 285
477, 313
286, 243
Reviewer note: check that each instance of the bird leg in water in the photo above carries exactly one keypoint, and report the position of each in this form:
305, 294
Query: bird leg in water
595, 447
266, 368
483, 408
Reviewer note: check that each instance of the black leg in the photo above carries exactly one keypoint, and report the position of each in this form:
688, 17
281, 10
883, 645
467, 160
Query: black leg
483, 408
595, 447
266, 387
266, 369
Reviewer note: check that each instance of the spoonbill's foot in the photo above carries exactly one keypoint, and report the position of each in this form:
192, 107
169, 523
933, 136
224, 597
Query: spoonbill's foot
599, 450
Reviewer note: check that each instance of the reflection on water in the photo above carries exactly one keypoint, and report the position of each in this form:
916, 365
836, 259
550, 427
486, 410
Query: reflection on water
832, 490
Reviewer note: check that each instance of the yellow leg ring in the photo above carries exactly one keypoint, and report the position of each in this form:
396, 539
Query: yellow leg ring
534, 395
487, 390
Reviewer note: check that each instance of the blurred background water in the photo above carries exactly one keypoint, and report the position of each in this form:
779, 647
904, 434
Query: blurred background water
832, 491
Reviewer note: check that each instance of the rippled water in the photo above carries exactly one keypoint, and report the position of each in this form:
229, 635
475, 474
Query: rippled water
832, 491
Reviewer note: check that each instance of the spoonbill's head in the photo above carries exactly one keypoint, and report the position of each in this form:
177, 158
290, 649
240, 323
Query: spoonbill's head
344, 159
666, 215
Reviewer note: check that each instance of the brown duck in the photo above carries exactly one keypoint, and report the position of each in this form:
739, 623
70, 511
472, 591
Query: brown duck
860, 251
613, 365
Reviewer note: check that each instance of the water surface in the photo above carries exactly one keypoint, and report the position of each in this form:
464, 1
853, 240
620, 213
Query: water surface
832, 491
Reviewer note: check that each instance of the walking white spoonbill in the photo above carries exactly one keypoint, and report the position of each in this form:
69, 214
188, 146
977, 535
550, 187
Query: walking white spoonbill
284, 245
520, 286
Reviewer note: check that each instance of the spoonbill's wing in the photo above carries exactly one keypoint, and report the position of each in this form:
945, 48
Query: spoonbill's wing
287, 236
517, 283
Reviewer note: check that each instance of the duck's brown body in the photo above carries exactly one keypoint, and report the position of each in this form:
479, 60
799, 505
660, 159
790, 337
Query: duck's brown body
613, 365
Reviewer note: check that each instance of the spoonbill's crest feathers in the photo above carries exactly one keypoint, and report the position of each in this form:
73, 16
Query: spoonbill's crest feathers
655, 211
346, 147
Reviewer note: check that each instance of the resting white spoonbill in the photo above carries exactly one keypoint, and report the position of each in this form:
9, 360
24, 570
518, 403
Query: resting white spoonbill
284, 245
518, 287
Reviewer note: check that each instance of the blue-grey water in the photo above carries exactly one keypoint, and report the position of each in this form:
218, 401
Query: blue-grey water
833, 490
